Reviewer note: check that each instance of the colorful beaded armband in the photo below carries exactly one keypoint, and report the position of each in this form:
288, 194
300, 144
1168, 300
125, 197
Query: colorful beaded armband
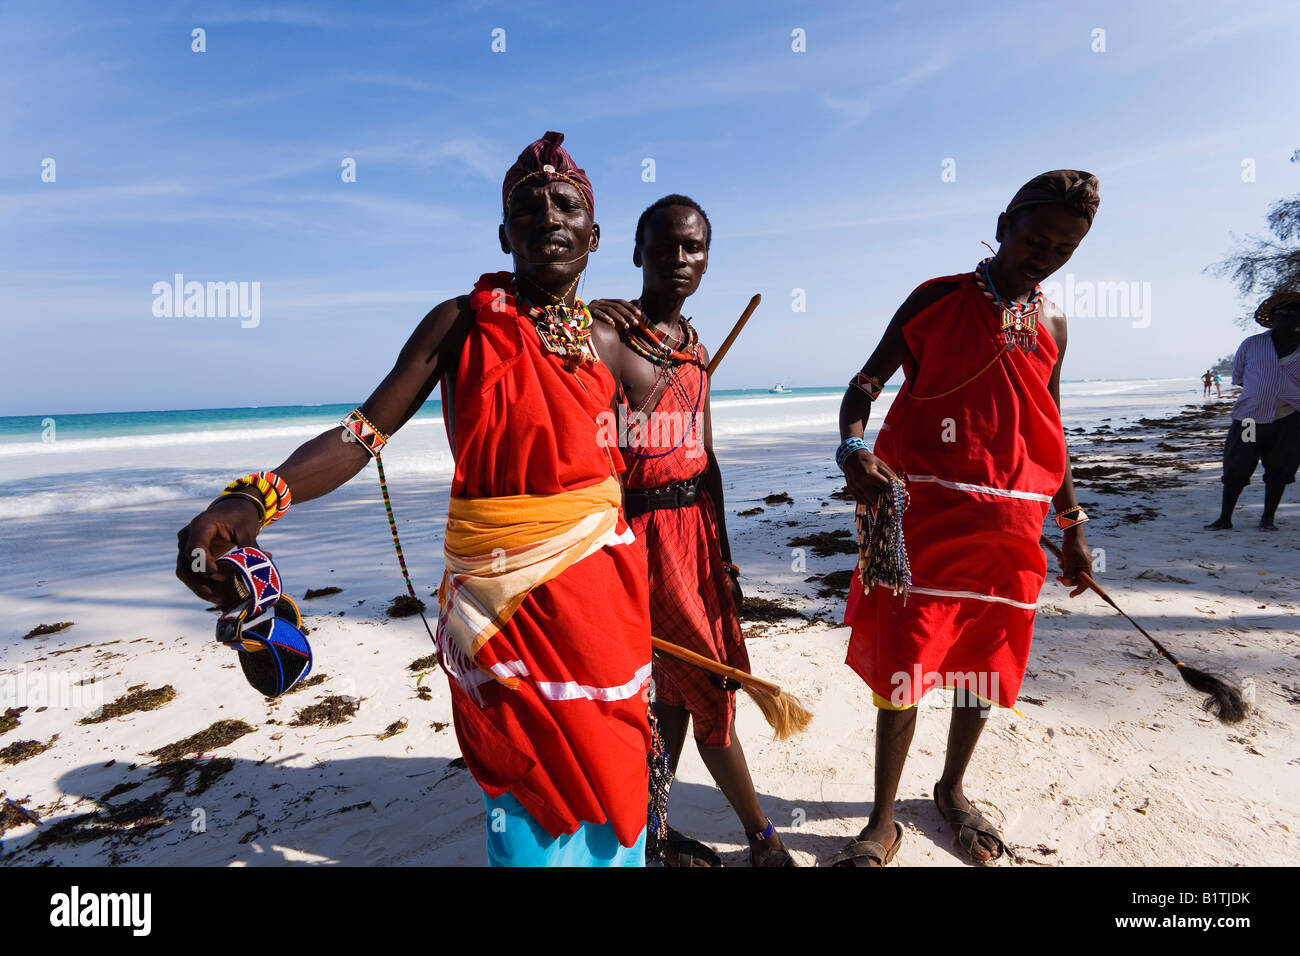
847, 448
270, 487
1070, 517
868, 385
360, 428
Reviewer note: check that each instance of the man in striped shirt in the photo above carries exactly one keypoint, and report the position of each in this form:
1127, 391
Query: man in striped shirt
1265, 424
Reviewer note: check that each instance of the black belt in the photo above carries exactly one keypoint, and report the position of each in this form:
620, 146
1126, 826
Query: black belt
680, 494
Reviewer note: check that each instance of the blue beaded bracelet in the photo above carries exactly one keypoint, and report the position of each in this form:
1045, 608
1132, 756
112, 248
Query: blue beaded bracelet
847, 448
765, 834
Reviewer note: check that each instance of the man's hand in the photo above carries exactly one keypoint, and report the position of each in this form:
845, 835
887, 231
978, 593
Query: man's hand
228, 523
737, 594
619, 313
866, 476
1075, 558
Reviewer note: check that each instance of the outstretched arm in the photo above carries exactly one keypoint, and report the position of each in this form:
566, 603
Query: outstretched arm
325, 462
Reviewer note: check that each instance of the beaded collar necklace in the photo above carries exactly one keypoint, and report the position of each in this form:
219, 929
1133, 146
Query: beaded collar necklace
652, 346
563, 329
1019, 319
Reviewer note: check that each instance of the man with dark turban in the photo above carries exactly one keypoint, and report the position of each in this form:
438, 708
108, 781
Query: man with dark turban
1265, 426
975, 435
544, 629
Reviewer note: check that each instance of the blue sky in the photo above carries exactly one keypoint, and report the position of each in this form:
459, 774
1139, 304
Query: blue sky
821, 171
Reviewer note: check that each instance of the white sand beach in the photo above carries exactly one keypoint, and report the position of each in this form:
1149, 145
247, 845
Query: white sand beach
1110, 759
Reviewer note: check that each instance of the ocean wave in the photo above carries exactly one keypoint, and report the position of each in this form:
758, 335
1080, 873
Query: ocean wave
103, 497
124, 443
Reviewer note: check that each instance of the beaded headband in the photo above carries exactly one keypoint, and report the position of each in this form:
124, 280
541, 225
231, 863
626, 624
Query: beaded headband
549, 170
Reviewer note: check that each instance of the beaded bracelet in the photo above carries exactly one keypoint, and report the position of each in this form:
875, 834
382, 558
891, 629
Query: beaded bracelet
868, 385
764, 834
360, 428
261, 507
846, 449
1065, 520
272, 489
732, 569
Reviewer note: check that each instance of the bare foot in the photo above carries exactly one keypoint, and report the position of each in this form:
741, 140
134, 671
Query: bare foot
1219, 524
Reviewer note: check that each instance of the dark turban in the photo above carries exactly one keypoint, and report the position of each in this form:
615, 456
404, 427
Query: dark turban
1264, 314
546, 161
1073, 188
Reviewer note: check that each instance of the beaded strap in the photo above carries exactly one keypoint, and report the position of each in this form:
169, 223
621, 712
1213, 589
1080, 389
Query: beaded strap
360, 428
846, 450
868, 385
1070, 517
271, 488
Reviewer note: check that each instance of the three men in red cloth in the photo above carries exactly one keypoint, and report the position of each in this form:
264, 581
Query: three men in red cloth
975, 433
548, 681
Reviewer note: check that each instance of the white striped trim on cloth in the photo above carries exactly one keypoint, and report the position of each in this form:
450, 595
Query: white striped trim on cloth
565, 690
982, 489
935, 592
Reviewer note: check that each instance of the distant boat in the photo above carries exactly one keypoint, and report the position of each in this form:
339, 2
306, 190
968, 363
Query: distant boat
778, 388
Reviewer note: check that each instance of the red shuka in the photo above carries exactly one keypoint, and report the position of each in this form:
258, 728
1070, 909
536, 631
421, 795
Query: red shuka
691, 603
981, 466
570, 742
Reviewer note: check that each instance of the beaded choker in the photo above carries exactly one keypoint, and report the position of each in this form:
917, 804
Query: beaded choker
1019, 319
565, 330
648, 343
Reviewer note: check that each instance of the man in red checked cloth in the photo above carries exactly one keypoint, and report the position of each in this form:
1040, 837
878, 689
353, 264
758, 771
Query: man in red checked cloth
544, 629
673, 498
975, 434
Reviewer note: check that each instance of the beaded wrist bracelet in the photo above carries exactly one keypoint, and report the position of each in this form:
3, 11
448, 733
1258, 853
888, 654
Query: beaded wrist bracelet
732, 569
764, 834
1070, 517
270, 487
868, 385
257, 502
360, 428
847, 448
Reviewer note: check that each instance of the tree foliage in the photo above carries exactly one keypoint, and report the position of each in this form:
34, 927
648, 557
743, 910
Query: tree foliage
1262, 265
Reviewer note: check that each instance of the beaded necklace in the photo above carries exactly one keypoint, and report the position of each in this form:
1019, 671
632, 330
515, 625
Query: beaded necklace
563, 329
645, 341
674, 382
1019, 319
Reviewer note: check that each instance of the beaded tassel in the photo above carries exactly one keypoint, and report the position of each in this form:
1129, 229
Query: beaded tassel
392, 526
660, 780
882, 553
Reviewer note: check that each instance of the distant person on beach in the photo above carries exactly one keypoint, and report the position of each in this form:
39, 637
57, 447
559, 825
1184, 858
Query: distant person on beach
544, 631
1207, 380
1265, 425
673, 498
976, 432
1218, 385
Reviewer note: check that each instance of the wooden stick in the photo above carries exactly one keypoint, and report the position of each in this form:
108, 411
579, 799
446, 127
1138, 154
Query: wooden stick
735, 331
785, 714
709, 664
1223, 698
